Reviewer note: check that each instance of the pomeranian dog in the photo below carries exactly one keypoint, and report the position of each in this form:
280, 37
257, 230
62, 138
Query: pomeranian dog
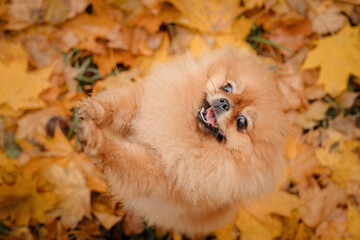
183, 147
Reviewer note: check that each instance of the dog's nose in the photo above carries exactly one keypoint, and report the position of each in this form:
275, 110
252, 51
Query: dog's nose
222, 103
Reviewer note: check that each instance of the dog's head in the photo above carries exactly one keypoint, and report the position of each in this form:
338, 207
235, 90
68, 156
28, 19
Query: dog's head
241, 106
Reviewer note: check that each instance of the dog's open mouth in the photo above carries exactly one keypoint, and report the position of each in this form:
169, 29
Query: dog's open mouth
207, 117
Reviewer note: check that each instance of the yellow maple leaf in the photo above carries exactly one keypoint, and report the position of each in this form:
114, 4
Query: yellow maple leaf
74, 195
22, 201
20, 89
226, 232
353, 222
207, 16
281, 203
61, 151
252, 229
250, 4
338, 56
342, 158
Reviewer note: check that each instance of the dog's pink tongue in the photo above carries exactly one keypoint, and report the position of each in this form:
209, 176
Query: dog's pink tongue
210, 116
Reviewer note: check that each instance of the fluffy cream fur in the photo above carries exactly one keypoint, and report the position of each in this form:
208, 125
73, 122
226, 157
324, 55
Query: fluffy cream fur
161, 163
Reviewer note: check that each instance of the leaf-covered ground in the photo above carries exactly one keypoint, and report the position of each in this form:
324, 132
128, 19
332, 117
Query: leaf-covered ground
55, 52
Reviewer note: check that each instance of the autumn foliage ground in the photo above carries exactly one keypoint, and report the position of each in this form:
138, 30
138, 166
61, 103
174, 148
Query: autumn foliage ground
55, 52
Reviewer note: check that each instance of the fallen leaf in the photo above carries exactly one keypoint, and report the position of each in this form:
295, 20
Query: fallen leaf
60, 151
252, 229
74, 195
40, 53
337, 64
341, 156
305, 165
35, 122
315, 92
353, 222
346, 126
291, 86
23, 13
106, 219
250, 4
347, 99
151, 22
226, 232
198, 45
70, 73
207, 16
334, 227
319, 204
312, 115
325, 17
20, 89
280, 203
86, 30
22, 202
122, 79
106, 63
292, 37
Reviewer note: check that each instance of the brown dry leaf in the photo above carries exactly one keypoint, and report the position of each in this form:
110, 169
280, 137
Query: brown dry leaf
305, 165
319, 204
106, 219
40, 53
34, 123
291, 86
20, 89
119, 37
207, 16
23, 13
325, 17
74, 195
346, 99
315, 92
70, 73
85, 31
346, 126
314, 113
22, 201
292, 37
334, 227
299, 6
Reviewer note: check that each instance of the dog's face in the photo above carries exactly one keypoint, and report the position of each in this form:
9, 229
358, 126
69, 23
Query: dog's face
241, 107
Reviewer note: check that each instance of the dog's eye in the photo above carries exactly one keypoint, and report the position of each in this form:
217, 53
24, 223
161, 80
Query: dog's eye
227, 88
241, 122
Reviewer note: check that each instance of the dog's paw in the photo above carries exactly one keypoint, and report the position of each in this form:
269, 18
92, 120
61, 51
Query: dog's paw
91, 138
92, 109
